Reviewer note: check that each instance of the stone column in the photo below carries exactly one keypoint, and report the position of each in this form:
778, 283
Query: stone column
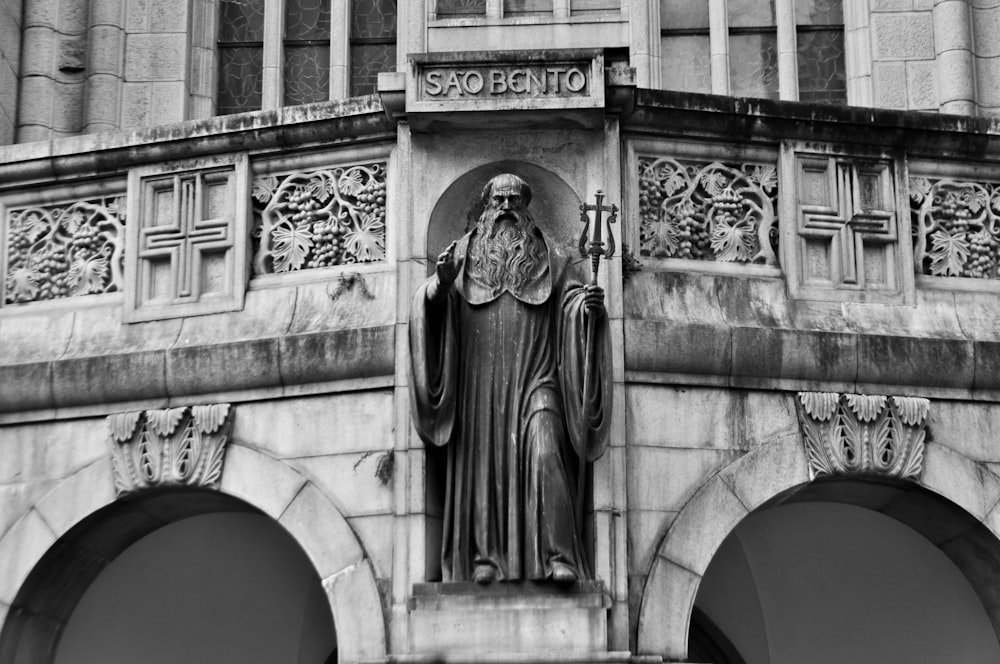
953, 52
274, 33
986, 46
858, 53
53, 69
718, 30
204, 71
788, 66
645, 43
340, 51
105, 65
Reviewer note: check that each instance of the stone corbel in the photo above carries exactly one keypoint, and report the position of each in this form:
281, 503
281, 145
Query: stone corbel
169, 447
859, 434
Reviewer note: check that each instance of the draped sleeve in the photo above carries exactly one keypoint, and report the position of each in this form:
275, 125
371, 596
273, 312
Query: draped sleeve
433, 365
588, 414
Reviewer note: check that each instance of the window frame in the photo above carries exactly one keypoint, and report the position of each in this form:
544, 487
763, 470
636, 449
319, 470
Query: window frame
719, 32
273, 57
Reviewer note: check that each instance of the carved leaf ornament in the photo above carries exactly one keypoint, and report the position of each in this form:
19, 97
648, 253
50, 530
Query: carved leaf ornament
708, 211
310, 219
956, 227
846, 434
169, 447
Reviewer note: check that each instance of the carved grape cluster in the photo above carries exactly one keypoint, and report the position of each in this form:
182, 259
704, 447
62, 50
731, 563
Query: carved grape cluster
321, 218
957, 226
57, 252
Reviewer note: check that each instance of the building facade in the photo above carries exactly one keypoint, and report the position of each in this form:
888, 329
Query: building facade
215, 214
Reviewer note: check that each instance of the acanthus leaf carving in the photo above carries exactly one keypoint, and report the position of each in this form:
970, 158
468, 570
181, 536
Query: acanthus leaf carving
863, 434
169, 447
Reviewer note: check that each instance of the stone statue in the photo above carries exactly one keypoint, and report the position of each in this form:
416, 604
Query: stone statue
498, 339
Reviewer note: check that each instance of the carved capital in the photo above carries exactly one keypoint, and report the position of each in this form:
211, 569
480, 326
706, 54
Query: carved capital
860, 434
169, 447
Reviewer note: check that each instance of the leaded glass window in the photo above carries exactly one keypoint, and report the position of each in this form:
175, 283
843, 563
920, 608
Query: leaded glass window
453, 8
241, 55
750, 48
307, 51
819, 34
284, 52
373, 43
684, 46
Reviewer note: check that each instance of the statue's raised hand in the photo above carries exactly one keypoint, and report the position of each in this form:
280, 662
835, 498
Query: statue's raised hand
593, 300
447, 270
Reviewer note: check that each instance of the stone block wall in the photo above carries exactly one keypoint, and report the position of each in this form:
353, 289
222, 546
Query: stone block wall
903, 54
155, 89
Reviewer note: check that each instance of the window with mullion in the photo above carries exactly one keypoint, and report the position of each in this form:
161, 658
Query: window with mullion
752, 49
373, 43
241, 56
306, 64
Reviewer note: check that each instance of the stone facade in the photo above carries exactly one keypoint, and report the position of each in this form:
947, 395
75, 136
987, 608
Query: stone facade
207, 314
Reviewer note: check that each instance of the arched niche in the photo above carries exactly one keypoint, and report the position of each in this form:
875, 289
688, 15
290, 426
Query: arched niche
950, 515
78, 528
554, 206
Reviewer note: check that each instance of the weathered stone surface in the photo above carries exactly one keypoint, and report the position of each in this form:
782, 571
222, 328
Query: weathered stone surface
915, 362
20, 548
78, 496
374, 532
700, 528
985, 28
922, 83
39, 452
903, 36
357, 612
889, 81
968, 427
795, 354
666, 416
959, 479
646, 529
662, 347
340, 355
109, 378
767, 470
222, 367
322, 531
351, 480
168, 17
335, 305
667, 600
267, 484
687, 469
330, 424
155, 57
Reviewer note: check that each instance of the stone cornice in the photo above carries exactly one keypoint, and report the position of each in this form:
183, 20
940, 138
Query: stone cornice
356, 120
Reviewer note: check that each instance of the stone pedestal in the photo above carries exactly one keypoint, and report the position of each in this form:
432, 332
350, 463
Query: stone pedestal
516, 622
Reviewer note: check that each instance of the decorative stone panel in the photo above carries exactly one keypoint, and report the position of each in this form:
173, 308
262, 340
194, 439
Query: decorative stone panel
187, 238
64, 249
319, 218
845, 218
956, 226
698, 205
169, 447
859, 434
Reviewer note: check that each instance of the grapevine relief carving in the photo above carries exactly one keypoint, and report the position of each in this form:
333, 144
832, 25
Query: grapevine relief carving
863, 434
319, 218
64, 250
708, 211
172, 446
956, 227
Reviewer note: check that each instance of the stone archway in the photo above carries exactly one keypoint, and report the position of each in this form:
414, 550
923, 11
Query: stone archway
63, 542
959, 517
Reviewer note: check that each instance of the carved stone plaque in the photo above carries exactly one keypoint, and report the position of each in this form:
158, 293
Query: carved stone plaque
187, 239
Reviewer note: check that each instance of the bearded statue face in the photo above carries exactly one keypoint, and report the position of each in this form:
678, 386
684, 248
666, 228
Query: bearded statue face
506, 251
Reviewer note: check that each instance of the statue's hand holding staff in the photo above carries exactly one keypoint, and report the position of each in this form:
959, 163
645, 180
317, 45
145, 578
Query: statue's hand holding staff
593, 299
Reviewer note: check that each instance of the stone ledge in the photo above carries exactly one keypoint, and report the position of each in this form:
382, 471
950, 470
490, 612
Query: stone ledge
553, 657
193, 370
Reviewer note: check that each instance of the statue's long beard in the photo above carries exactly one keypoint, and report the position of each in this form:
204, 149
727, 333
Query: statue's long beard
505, 255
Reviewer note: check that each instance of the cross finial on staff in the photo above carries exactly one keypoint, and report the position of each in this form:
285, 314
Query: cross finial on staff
591, 241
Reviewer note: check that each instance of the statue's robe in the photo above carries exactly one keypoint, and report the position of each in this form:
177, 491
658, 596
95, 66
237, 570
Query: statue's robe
498, 378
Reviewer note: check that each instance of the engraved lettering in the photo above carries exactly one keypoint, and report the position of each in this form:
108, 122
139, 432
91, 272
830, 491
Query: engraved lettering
537, 82
453, 83
518, 88
473, 83
577, 84
498, 82
433, 79
555, 73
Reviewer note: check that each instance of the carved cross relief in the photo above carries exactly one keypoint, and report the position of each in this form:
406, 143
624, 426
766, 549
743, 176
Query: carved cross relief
187, 241
847, 230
